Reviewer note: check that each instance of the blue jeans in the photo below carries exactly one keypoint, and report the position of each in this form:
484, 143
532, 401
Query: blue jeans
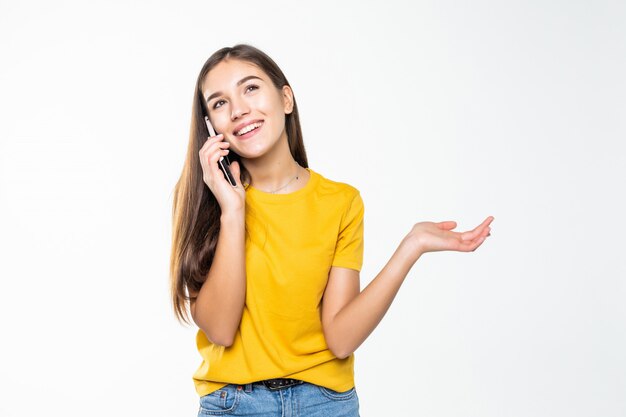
304, 400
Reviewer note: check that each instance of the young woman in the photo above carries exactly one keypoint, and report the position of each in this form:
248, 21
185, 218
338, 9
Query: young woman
269, 268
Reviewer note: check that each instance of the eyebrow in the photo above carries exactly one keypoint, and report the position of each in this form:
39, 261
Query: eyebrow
243, 80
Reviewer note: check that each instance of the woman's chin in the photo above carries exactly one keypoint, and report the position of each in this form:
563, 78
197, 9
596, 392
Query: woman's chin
259, 148
251, 153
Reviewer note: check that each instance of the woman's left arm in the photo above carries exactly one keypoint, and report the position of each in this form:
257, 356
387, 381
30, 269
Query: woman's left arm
349, 315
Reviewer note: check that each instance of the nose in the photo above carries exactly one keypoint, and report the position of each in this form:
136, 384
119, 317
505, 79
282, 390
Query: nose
239, 108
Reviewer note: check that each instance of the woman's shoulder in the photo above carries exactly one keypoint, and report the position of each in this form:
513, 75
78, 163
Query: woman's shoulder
335, 188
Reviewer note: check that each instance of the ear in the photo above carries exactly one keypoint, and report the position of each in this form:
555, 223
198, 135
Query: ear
287, 99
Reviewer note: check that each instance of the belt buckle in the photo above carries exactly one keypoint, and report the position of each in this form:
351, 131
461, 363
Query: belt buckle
279, 383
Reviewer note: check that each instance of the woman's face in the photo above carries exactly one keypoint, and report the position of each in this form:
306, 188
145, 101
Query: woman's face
240, 96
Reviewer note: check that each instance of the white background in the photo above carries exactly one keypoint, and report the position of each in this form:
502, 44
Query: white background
435, 110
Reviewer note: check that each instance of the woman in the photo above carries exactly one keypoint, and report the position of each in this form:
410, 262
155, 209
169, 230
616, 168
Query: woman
269, 268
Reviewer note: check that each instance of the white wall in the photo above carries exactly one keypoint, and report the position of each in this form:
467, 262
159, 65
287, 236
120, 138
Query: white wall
435, 110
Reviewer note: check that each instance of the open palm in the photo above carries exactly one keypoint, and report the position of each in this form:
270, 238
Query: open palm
433, 237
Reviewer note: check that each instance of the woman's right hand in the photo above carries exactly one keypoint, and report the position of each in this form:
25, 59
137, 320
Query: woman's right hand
230, 199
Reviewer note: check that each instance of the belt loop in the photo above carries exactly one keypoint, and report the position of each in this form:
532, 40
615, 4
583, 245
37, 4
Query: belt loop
248, 388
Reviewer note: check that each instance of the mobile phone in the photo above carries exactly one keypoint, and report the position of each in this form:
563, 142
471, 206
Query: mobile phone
224, 162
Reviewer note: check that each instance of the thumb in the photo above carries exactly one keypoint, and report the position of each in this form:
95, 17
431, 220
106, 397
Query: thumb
236, 171
447, 225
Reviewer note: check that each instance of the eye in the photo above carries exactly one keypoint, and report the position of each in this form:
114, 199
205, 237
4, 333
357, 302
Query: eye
251, 86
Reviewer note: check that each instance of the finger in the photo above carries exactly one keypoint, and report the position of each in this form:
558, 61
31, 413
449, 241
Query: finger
478, 230
210, 162
216, 148
473, 245
236, 171
212, 143
213, 152
483, 232
211, 140
484, 223
215, 157
487, 221
471, 235
208, 148
482, 237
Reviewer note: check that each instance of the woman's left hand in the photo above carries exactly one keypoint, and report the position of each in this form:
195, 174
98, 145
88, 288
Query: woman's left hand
433, 237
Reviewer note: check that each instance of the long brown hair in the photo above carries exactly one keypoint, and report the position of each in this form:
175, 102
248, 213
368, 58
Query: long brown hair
196, 213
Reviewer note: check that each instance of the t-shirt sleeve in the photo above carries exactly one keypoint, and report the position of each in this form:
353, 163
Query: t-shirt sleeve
349, 248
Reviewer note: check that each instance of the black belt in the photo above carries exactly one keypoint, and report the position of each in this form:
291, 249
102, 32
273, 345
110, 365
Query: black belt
278, 383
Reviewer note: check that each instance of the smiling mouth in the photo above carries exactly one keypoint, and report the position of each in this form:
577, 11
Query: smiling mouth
249, 128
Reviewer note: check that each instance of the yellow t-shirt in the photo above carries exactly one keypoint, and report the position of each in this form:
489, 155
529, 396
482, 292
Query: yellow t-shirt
292, 240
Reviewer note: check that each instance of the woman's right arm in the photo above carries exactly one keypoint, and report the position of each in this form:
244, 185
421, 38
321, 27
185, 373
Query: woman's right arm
218, 308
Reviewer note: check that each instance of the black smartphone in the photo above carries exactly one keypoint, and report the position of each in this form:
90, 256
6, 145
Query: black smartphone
224, 162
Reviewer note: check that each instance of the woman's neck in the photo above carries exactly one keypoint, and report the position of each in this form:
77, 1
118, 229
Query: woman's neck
276, 171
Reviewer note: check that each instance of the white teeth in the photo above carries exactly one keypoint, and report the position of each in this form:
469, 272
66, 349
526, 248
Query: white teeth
248, 128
